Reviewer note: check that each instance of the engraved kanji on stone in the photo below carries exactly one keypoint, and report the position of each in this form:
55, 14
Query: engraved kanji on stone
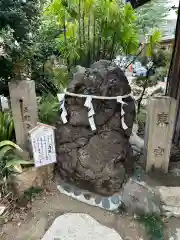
159, 152
27, 118
25, 109
28, 126
162, 119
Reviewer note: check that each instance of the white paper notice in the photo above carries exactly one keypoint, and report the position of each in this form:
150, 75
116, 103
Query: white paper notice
92, 123
61, 97
43, 145
120, 100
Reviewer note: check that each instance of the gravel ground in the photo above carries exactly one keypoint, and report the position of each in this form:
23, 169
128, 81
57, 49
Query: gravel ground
33, 224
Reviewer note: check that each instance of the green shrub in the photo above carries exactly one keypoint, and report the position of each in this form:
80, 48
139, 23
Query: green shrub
141, 116
32, 193
6, 127
10, 159
49, 109
153, 225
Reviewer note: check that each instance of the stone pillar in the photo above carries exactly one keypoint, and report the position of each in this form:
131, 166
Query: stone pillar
24, 109
159, 131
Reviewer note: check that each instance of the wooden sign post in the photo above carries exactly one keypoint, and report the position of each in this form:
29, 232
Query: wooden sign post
159, 132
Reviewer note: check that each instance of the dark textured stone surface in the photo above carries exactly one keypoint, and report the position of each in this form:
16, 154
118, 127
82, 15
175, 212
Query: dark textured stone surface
96, 161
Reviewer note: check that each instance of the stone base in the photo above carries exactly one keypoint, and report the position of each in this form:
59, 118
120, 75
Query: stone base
32, 177
111, 203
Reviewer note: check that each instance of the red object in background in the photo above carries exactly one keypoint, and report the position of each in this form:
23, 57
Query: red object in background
131, 68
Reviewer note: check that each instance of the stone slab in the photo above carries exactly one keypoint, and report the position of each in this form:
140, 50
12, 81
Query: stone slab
170, 200
176, 235
77, 226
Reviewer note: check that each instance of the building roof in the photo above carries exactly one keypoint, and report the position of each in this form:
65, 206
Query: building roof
167, 38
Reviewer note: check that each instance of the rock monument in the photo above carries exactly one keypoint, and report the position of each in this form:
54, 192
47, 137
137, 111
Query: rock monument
100, 160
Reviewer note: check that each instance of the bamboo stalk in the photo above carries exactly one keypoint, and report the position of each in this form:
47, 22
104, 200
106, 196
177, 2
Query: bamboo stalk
65, 39
113, 45
104, 41
83, 26
94, 39
99, 43
89, 45
79, 20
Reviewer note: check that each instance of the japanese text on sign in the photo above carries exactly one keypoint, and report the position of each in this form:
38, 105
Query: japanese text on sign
43, 145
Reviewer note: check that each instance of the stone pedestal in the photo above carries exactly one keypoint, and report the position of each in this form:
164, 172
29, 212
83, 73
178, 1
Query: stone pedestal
32, 177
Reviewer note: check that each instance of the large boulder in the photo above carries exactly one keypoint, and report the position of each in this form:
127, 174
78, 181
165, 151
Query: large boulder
96, 160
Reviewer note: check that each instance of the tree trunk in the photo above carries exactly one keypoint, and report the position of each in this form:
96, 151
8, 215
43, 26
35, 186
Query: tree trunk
141, 98
173, 82
134, 58
0, 105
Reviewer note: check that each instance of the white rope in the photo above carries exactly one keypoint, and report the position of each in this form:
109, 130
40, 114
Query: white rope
96, 97
89, 105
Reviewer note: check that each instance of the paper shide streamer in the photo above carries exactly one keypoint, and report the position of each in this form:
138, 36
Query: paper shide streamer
88, 103
120, 100
61, 98
91, 113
